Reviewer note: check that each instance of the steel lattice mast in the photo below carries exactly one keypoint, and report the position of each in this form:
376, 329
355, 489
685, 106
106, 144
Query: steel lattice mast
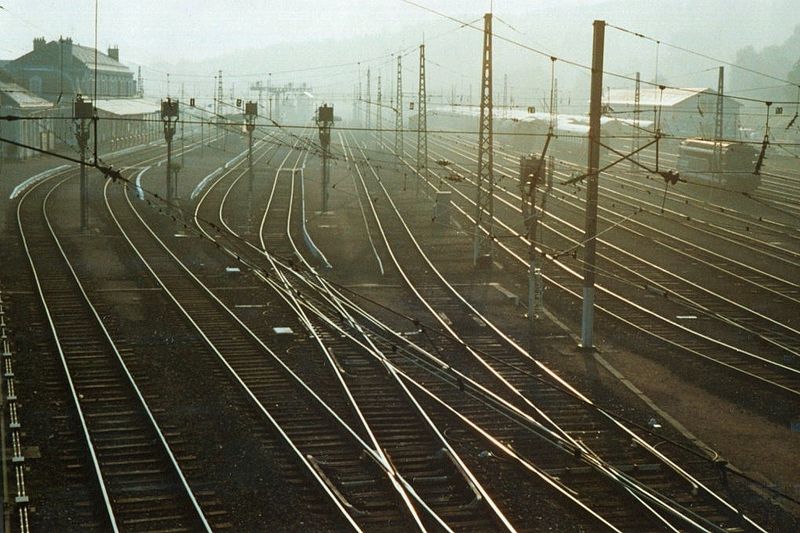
218, 99
360, 98
379, 112
422, 119
484, 202
369, 102
398, 117
719, 121
637, 110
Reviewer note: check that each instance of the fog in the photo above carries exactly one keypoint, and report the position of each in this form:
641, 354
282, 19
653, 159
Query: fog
328, 43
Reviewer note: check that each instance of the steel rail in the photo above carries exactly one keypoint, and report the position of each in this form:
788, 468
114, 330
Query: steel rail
57, 340
375, 449
676, 195
441, 365
139, 395
259, 405
763, 334
372, 453
361, 207
697, 305
65, 366
633, 304
714, 209
636, 489
288, 294
680, 471
291, 301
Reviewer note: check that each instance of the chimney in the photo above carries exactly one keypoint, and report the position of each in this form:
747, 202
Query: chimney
65, 52
113, 52
38, 43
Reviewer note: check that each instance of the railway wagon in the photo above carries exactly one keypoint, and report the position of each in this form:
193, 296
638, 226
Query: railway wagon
726, 165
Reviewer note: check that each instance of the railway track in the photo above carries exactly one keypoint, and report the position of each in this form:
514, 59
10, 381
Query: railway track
773, 206
139, 481
365, 417
625, 306
491, 346
454, 506
140, 489
412, 445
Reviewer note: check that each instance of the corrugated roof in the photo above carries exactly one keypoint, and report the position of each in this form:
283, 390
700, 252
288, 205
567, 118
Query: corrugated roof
128, 106
652, 96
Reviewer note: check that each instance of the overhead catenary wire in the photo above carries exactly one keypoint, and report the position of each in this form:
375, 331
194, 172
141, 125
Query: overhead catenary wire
571, 62
232, 123
234, 75
701, 54
128, 183
279, 126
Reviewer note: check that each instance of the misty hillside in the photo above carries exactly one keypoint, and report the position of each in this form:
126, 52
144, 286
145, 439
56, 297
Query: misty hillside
764, 38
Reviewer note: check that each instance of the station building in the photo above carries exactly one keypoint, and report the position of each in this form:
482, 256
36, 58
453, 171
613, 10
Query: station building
47, 80
59, 70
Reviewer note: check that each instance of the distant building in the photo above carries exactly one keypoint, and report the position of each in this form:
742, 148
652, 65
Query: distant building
54, 73
684, 112
36, 131
128, 121
59, 70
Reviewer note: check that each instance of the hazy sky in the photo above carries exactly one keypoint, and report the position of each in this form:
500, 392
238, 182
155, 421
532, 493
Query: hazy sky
201, 36
150, 31
198, 28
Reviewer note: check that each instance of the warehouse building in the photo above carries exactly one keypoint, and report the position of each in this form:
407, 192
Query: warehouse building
684, 112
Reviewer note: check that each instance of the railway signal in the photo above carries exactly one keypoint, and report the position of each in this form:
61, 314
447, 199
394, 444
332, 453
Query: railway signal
531, 173
250, 114
82, 112
324, 122
169, 117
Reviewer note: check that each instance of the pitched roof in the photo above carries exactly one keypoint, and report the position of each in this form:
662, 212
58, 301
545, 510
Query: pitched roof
85, 55
23, 98
128, 106
564, 123
82, 54
651, 96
